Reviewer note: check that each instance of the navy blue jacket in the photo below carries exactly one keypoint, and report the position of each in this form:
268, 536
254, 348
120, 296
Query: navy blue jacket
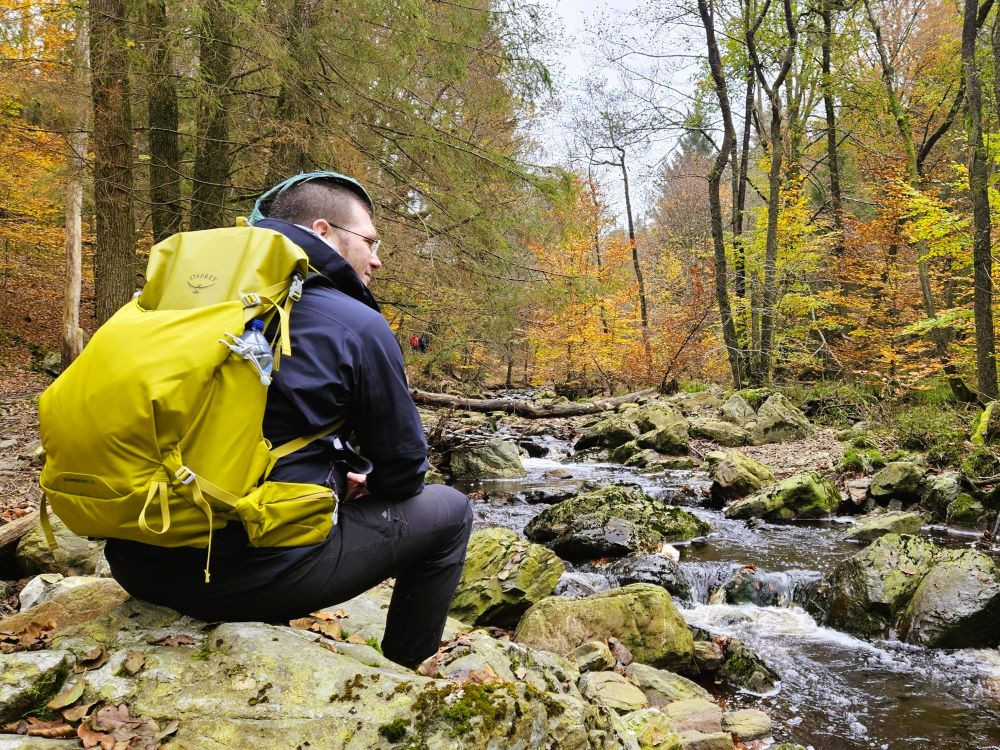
345, 362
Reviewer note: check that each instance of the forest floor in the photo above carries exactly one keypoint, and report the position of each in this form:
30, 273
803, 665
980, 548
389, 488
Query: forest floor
19, 493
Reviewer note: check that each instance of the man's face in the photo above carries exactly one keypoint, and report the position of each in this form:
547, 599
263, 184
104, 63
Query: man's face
353, 240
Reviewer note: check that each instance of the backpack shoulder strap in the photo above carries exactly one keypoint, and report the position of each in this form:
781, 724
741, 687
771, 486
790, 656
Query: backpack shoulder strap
301, 442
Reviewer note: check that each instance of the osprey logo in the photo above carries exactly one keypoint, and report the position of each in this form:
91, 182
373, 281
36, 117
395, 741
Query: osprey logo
200, 281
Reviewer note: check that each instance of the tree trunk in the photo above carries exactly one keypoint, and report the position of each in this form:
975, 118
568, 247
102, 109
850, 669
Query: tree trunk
836, 206
524, 409
982, 305
115, 262
162, 117
76, 173
634, 246
212, 155
739, 208
733, 351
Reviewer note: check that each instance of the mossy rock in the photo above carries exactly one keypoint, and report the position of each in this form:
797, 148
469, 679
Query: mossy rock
734, 475
29, 680
899, 480
755, 397
986, 428
744, 671
965, 510
652, 730
779, 420
719, 431
805, 495
738, 411
494, 459
861, 461
871, 527
625, 452
981, 463
609, 432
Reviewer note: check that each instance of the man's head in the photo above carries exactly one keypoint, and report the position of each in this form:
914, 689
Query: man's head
335, 207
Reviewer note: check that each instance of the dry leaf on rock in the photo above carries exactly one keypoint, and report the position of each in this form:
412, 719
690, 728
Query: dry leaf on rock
356, 639
620, 651
78, 712
112, 728
134, 662
31, 638
174, 640
50, 729
95, 658
483, 676
329, 616
71, 692
301, 623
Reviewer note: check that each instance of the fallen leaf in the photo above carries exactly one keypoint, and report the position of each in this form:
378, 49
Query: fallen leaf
71, 692
95, 658
356, 638
329, 629
620, 651
482, 676
430, 667
134, 662
329, 616
302, 623
78, 712
174, 640
51, 729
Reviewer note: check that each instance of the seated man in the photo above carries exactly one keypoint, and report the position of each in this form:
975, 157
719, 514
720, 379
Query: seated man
345, 363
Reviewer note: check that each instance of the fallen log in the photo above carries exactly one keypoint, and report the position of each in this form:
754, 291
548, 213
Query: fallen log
11, 532
524, 408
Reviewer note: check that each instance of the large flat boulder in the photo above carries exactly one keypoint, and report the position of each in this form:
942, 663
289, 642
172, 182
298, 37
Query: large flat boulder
503, 576
871, 527
805, 495
719, 431
611, 522
641, 616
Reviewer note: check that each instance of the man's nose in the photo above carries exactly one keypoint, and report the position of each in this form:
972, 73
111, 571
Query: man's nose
375, 261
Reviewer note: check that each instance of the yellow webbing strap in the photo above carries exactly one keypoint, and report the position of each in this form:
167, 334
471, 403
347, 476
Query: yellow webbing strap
283, 315
215, 491
46, 523
299, 443
156, 490
205, 508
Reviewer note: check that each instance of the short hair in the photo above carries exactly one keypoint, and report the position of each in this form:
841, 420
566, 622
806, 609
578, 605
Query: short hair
320, 198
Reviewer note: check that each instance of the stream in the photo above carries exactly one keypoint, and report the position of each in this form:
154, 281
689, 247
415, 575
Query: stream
837, 692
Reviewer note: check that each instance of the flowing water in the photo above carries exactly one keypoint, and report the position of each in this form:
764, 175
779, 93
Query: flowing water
837, 692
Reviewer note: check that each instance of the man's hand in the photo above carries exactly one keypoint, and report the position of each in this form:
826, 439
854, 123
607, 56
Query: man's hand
356, 487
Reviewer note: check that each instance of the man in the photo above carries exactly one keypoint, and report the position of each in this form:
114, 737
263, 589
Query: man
345, 363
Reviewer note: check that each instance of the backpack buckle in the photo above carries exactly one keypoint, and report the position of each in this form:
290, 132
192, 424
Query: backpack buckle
250, 299
185, 475
295, 290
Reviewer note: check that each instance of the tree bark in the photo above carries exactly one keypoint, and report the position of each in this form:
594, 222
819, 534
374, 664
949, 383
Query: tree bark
212, 154
739, 206
982, 261
524, 409
733, 351
162, 118
115, 262
833, 161
76, 173
632, 243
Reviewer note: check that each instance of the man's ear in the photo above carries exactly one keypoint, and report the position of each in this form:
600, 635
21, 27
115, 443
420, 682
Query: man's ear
321, 227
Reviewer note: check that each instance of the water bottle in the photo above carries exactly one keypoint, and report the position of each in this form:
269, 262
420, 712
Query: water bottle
253, 347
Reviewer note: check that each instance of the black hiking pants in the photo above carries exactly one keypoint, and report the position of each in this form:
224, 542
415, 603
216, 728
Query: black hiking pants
420, 541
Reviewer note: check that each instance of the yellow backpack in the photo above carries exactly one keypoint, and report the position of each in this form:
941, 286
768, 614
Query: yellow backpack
154, 433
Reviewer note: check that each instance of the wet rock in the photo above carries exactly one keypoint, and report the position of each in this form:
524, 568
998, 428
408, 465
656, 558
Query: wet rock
652, 729
662, 687
533, 449
611, 522
641, 616
865, 593
737, 411
29, 679
899, 480
626, 451
658, 570
957, 604
576, 583
986, 428
788, 746
965, 510
749, 585
747, 725
609, 432
708, 655
694, 740
612, 690
734, 475
871, 527
745, 671
433, 476
494, 459
74, 556
547, 496
503, 576
592, 656
806, 495
718, 431
779, 420
939, 490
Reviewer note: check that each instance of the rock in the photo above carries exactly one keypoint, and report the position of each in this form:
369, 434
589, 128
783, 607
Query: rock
700, 402
612, 690
656, 416
734, 475
671, 439
696, 714
965, 510
29, 680
611, 522
788, 746
708, 655
750, 585
433, 476
73, 605
899, 480
48, 586
694, 740
662, 687
747, 724
986, 428
939, 491
857, 490
641, 616
872, 526
865, 593
503, 576
592, 656
806, 495
609, 432
575, 584
778, 420
626, 452
652, 729
656, 569
745, 671
738, 411
723, 433
74, 556
494, 459
957, 604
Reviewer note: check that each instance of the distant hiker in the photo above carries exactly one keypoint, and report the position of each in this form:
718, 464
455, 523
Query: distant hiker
345, 365
423, 342
414, 342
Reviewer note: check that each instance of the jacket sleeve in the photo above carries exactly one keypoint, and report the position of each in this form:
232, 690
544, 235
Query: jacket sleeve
385, 420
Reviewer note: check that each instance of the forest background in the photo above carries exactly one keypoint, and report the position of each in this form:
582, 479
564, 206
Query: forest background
823, 213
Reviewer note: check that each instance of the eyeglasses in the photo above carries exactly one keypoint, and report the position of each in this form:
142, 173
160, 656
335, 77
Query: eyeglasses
374, 242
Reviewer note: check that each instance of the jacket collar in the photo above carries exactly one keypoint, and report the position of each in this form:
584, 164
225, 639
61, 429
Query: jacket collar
324, 259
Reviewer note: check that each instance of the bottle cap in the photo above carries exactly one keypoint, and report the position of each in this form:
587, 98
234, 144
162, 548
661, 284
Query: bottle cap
257, 324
